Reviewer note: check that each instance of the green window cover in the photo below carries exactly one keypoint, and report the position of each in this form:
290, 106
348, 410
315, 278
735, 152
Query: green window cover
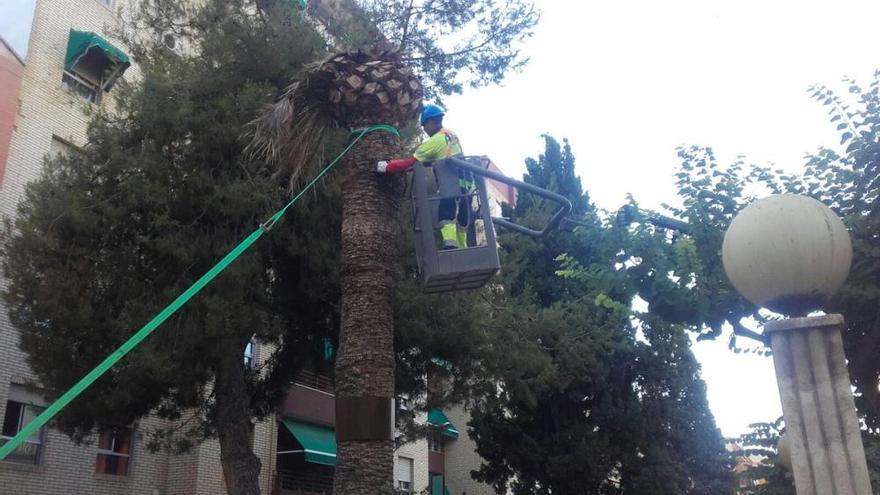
437, 485
319, 442
328, 350
437, 418
81, 42
442, 363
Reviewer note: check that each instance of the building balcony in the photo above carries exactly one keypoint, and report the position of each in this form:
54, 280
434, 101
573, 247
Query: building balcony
310, 399
312, 482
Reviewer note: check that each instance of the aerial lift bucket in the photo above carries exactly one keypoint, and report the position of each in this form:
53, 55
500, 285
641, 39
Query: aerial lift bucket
444, 270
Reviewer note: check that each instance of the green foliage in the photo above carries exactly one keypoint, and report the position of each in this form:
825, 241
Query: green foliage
847, 179
592, 396
682, 277
109, 235
769, 477
453, 43
850, 185
529, 264
872, 455
449, 44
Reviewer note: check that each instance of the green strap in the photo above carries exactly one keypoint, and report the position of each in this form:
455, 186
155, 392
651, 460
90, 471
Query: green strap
169, 310
378, 127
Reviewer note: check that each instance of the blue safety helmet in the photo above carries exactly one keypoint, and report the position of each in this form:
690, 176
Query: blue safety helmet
431, 111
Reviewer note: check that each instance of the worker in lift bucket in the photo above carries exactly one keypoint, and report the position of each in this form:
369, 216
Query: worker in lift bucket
453, 213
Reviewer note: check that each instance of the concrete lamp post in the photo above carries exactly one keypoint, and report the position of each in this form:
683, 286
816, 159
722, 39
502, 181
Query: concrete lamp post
790, 254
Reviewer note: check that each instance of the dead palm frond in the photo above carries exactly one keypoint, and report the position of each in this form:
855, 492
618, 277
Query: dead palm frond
289, 133
348, 89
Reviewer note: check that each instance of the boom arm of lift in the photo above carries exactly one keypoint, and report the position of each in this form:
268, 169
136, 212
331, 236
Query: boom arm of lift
553, 223
629, 214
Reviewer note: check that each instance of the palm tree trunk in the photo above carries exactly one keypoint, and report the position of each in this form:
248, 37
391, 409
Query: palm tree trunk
241, 467
365, 363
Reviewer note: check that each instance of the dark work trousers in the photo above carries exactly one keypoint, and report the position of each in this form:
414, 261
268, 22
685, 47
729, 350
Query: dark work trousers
458, 209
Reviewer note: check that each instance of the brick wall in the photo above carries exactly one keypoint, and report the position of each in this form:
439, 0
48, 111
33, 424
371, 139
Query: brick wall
182, 475
46, 110
48, 113
418, 452
11, 70
462, 458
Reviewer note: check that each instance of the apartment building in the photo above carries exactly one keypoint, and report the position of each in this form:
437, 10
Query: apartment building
50, 80
744, 462
11, 69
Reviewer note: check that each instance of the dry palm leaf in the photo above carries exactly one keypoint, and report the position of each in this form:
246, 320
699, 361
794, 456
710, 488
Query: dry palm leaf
348, 89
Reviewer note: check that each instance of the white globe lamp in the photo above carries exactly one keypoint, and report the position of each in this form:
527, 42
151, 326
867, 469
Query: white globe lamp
787, 253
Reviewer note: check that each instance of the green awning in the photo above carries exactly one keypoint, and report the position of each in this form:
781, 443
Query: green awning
329, 350
318, 442
437, 485
80, 43
437, 418
446, 365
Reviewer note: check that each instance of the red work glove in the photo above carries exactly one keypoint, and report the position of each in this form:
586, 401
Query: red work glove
395, 166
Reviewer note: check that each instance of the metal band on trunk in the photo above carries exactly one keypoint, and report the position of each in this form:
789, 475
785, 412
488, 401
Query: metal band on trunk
364, 418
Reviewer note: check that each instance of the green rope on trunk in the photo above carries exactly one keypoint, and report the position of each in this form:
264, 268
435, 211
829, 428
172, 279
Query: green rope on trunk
169, 310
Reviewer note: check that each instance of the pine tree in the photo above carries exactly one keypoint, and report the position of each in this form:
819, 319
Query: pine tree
592, 396
454, 44
107, 236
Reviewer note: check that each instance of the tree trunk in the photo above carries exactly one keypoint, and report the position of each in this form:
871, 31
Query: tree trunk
241, 467
365, 363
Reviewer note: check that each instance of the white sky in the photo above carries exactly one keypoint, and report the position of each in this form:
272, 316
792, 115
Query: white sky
628, 81
15, 23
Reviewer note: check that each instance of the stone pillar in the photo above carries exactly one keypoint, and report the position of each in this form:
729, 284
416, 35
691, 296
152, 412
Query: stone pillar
827, 455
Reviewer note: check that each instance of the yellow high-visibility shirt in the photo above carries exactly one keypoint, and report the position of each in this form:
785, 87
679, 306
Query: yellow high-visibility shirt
441, 145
